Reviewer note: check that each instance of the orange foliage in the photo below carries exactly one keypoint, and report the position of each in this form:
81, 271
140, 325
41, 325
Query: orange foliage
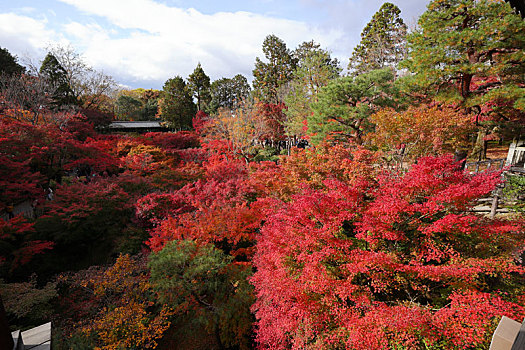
310, 167
125, 320
419, 131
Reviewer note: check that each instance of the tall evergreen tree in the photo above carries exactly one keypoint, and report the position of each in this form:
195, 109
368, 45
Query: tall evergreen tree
9, 63
56, 76
277, 71
176, 105
382, 41
315, 69
199, 85
228, 93
469, 51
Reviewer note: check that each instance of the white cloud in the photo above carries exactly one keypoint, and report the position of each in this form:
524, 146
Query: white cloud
144, 42
24, 35
162, 41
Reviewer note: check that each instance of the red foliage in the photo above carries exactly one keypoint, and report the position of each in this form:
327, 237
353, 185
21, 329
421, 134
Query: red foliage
199, 121
156, 207
174, 141
273, 117
219, 208
362, 264
17, 246
96, 117
77, 201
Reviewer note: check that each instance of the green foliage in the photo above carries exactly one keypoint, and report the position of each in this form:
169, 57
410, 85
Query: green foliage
27, 304
56, 76
266, 154
345, 104
127, 107
468, 51
515, 191
9, 64
228, 93
382, 41
203, 280
78, 341
278, 70
176, 106
314, 70
137, 104
199, 85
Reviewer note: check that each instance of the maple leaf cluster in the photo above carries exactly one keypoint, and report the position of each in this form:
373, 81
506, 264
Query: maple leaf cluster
385, 262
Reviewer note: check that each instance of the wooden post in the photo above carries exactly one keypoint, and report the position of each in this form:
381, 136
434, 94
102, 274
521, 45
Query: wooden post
494, 207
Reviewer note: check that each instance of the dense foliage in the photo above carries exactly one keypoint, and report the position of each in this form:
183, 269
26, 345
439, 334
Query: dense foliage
316, 211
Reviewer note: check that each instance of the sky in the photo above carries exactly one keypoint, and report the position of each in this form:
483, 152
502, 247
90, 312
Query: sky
142, 43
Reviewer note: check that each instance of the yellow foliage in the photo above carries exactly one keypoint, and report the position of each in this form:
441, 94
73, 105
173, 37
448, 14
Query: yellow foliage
126, 321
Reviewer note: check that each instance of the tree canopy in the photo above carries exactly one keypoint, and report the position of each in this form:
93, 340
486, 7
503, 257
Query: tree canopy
383, 42
344, 105
176, 105
56, 75
199, 85
278, 70
469, 52
228, 92
9, 63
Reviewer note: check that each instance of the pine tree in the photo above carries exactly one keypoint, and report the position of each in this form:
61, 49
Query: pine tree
469, 52
56, 76
345, 104
176, 106
382, 41
268, 77
199, 85
9, 64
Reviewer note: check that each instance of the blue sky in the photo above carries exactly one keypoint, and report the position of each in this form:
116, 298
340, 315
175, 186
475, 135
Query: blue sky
142, 43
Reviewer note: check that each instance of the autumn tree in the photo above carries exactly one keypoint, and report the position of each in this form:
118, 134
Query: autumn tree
199, 85
420, 131
18, 245
111, 307
315, 68
238, 128
26, 98
278, 70
383, 42
394, 261
9, 63
176, 105
345, 104
228, 93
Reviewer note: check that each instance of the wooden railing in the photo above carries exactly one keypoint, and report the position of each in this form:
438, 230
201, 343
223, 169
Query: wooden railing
482, 165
